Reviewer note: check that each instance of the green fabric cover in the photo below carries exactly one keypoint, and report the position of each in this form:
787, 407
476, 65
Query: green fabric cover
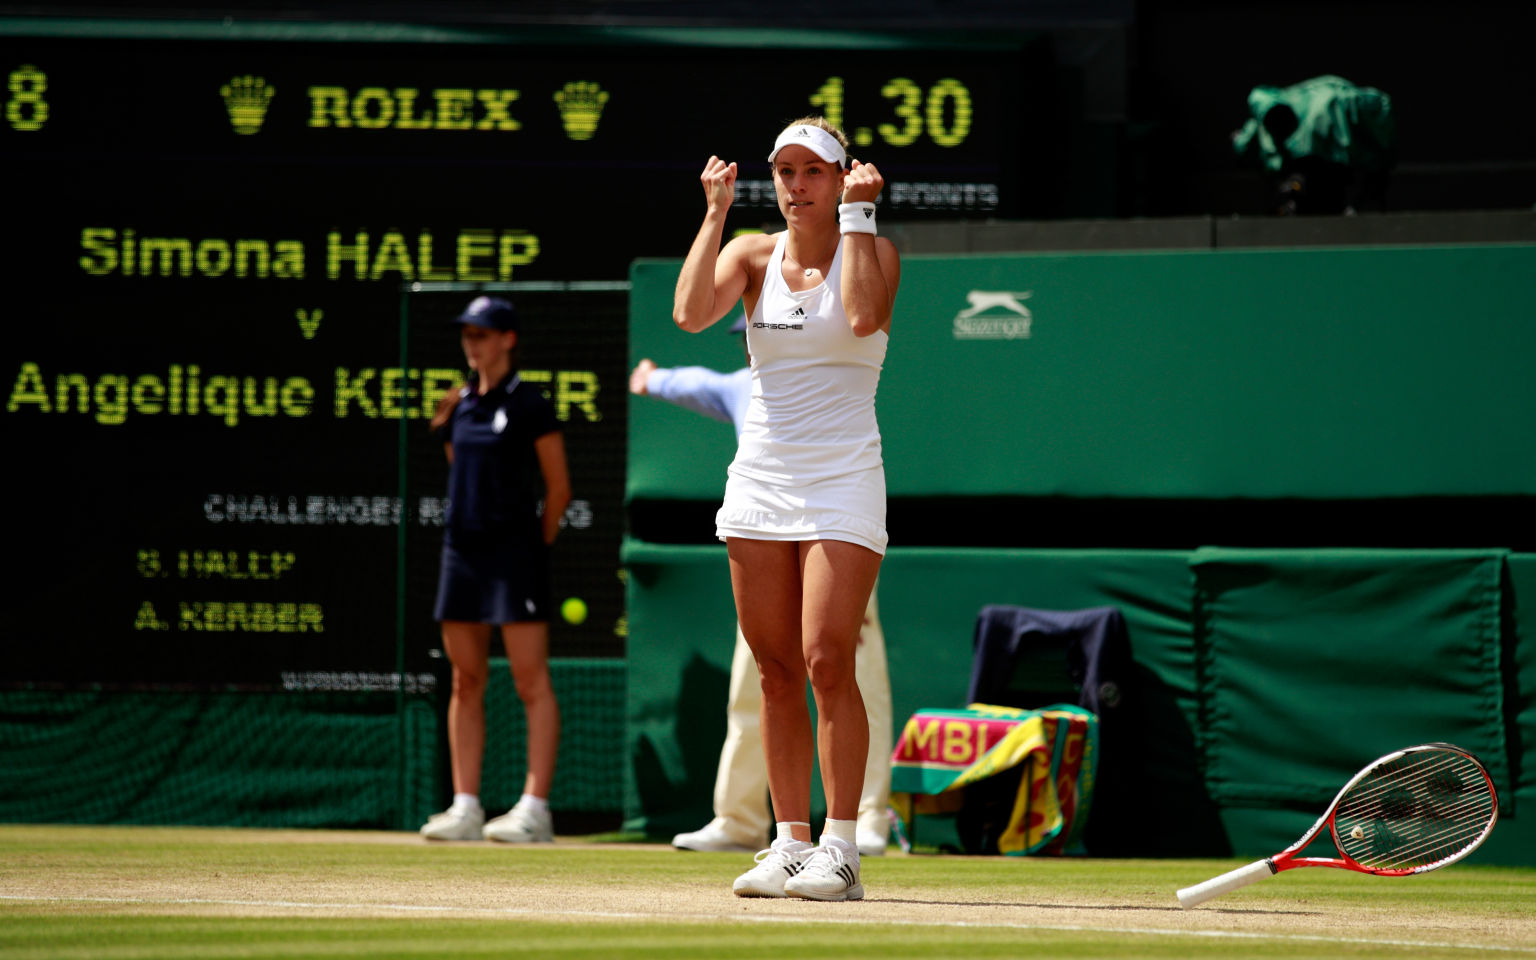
1313, 663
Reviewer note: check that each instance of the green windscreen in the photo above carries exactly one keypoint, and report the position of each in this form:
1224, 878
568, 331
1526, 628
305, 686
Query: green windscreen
1305, 373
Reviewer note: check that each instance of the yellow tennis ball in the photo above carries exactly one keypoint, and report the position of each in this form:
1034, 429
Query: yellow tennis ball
574, 610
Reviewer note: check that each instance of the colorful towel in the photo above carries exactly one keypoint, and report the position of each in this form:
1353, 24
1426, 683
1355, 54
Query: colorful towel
942, 752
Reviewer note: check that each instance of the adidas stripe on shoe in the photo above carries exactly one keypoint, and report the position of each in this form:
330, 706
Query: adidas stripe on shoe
827, 874
776, 865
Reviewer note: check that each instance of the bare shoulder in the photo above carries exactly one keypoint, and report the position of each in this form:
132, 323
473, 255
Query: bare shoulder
751, 252
752, 247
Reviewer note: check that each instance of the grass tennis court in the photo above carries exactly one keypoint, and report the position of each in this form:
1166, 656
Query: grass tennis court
136, 892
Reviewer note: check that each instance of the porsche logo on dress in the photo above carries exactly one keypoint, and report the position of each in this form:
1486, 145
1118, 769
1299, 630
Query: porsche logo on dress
994, 315
795, 321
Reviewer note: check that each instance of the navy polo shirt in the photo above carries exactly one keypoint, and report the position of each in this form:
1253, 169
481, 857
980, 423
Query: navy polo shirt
495, 483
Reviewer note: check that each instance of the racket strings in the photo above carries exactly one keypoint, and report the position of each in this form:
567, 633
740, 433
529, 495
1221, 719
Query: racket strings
1464, 825
1417, 810
1403, 804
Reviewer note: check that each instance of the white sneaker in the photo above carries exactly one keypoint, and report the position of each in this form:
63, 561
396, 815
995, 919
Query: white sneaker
521, 825
712, 838
455, 823
827, 874
871, 844
775, 865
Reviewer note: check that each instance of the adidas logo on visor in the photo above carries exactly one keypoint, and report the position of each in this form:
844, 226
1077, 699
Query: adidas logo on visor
817, 140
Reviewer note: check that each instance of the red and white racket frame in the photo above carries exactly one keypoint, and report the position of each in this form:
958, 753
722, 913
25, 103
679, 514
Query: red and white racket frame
1287, 859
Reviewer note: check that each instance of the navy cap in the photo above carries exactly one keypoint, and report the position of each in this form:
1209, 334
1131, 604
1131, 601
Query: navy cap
493, 313
740, 326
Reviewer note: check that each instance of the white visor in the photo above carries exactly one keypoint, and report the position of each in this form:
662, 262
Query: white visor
817, 140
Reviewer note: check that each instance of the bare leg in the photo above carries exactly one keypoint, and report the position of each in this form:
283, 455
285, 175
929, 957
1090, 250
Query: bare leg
528, 655
765, 579
836, 579
468, 646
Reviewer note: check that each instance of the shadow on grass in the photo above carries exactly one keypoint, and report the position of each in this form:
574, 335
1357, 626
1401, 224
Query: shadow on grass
1123, 907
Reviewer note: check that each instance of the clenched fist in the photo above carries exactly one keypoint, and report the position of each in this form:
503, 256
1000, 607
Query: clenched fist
719, 180
862, 183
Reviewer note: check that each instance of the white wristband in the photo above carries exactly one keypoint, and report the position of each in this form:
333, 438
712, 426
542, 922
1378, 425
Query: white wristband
858, 217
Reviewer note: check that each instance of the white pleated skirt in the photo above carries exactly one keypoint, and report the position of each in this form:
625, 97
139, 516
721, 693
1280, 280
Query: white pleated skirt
850, 507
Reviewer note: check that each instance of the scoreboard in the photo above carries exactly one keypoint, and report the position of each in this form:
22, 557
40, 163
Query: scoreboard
231, 259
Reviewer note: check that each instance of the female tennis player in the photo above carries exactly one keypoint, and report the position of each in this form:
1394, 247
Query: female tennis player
804, 512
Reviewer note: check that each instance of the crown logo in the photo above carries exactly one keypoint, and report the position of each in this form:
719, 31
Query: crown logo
246, 99
581, 106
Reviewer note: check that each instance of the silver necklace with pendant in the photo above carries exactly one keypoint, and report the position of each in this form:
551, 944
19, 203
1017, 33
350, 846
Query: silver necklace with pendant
808, 270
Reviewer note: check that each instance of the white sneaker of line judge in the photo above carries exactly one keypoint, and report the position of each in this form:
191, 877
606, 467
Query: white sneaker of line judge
871, 844
713, 837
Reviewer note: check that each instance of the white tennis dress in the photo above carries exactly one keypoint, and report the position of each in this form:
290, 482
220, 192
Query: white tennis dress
808, 465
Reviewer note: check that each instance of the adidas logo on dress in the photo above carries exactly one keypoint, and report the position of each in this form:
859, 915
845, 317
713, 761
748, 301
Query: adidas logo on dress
795, 321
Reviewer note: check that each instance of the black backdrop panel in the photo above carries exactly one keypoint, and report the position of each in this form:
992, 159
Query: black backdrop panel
217, 433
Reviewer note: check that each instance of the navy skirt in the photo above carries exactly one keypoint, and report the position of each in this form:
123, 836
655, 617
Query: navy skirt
505, 582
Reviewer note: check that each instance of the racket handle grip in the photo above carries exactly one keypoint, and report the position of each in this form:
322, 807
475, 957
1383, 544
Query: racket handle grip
1226, 883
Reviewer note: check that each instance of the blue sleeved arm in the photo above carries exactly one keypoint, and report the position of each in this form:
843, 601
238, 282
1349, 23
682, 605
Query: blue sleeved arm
719, 396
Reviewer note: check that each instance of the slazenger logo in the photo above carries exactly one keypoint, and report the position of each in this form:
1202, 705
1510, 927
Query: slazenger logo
994, 315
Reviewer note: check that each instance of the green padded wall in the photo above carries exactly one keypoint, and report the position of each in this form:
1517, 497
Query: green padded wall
682, 628
1517, 840
683, 623
1241, 725
1312, 373
1312, 661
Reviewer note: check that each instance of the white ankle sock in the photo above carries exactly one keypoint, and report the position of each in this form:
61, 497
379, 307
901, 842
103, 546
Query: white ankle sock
530, 802
843, 830
784, 829
466, 801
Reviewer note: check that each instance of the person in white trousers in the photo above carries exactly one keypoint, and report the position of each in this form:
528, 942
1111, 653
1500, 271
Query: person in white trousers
742, 818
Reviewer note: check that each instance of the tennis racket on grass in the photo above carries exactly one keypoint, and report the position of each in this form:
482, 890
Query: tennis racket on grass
1408, 812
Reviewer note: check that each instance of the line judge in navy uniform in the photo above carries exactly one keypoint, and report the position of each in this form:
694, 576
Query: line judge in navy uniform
505, 447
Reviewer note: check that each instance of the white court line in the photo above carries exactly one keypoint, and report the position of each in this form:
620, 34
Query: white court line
713, 917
